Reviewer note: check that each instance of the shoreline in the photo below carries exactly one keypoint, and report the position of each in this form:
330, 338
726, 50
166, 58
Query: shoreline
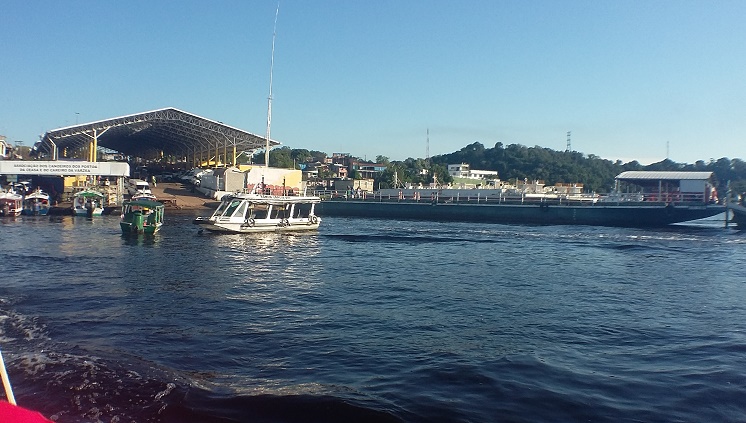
176, 197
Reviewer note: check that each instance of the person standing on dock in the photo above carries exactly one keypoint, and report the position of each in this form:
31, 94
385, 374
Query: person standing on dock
152, 179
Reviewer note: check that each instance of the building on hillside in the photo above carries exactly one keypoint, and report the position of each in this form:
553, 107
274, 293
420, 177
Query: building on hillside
367, 170
344, 159
338, 170
463, 170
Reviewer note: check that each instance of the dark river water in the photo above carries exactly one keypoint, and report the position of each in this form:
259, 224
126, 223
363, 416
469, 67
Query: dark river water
374, 321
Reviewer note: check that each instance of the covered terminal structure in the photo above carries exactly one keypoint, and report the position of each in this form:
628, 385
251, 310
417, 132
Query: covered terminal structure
169, 134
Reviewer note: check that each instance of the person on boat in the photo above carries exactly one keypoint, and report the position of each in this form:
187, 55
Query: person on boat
89, 206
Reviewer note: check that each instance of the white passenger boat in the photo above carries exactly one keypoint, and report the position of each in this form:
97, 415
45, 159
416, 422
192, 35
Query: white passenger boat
36, 203
258, 211
88, 202
251, 213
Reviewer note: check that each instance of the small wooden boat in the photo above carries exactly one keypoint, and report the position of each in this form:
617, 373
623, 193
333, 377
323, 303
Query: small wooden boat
88, 202
36, 203
11, 203
141, 217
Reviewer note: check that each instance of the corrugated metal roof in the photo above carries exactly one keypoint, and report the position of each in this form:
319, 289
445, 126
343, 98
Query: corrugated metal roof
152, 134
663, 175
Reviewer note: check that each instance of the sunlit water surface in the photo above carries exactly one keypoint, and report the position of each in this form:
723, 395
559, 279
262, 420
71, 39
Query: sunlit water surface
374, 320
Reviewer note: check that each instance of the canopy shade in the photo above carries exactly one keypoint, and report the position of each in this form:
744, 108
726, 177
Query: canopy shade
163, 132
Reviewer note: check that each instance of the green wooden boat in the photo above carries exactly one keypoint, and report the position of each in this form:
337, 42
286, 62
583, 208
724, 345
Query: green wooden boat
141, 216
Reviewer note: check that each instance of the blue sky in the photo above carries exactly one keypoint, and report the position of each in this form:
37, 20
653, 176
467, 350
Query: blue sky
632, 80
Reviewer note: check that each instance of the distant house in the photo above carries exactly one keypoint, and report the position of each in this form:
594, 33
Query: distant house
5, 148
339, 170
368, 170
462, 170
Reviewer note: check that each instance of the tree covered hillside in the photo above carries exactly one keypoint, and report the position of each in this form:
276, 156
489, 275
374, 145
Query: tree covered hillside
596, 174
516, 161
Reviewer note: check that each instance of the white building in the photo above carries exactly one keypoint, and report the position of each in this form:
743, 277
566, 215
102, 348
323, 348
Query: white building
5, 148
462, 170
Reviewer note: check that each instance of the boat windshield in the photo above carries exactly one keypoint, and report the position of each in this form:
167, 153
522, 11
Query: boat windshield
232, 206
221, 208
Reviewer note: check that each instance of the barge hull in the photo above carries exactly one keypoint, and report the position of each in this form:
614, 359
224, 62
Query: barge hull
539, 214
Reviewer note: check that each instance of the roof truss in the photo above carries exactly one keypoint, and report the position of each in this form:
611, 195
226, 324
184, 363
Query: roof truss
167, 132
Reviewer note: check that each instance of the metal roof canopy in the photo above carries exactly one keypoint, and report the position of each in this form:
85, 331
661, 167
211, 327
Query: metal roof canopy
643, 176
167, 132
662, 181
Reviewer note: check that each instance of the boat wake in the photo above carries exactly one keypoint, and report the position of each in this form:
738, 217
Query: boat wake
406, 239
69, 384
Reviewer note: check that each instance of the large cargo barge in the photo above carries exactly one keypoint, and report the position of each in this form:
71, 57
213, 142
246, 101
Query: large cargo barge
659, 199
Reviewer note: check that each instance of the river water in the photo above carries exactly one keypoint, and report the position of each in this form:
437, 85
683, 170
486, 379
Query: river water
374, 321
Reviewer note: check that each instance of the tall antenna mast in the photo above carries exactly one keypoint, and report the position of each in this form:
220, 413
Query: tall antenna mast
427, 147
269, 99
569, 147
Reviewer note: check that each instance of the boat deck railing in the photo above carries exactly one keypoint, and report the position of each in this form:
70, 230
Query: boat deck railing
644, 199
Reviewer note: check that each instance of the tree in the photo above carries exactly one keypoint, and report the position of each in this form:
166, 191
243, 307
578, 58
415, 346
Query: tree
382, 160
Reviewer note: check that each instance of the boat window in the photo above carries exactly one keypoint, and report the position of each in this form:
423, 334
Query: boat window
275, 212
303, 209
232, 208
241, 212
260, 211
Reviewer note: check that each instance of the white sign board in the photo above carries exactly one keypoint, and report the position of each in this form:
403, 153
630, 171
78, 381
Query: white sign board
63, 168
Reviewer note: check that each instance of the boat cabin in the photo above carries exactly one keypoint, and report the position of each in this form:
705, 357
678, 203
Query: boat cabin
261, 210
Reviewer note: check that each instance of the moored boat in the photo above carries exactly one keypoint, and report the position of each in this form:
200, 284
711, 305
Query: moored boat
11, 203
88, 202
36, 203
640, 199
141, 217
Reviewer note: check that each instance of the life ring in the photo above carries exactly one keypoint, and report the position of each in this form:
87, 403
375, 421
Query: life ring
313, 220
249, 222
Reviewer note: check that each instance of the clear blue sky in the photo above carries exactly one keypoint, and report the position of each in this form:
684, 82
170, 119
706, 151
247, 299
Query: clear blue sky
369, 78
